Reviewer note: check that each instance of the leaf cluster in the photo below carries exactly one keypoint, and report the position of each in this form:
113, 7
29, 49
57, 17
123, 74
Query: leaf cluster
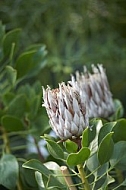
21, 115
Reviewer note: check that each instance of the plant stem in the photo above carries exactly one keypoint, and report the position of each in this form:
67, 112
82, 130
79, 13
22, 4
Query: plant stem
8, 150
67, 178
5, 140
41, 157
83, 177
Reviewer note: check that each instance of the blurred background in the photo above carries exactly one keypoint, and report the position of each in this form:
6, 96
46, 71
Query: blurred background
75, 33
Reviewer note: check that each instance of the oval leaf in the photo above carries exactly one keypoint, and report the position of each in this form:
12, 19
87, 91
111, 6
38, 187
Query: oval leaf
37, 166
71, 146
107, 128
119, 131
118, 159
105, 148
9, 39
54, 149
9, 170
30, 63
18, 106
78, 158
11, 123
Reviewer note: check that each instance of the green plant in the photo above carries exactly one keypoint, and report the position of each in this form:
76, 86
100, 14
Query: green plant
93, 157
20, 107
95, 160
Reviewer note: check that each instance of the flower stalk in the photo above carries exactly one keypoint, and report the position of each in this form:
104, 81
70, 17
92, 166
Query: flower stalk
83, 177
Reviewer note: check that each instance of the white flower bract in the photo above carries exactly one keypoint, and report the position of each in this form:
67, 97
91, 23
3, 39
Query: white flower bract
67, 112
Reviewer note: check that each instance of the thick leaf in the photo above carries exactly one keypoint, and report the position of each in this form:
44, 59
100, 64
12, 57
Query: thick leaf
92, 162
78, 158
11, 75
71, 146
9, 39
37, 166
107, 128
119, 130
11, 123
18, 106
118, 159
54, 149
38, 177
8, 171
30, 63
85, 138
94, 166
105, 148
28, 178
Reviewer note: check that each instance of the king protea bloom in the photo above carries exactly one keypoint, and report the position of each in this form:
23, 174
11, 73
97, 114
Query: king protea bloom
95, 90
66, 110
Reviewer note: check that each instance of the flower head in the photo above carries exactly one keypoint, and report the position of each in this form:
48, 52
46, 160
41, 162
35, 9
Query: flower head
66, 110
94, 88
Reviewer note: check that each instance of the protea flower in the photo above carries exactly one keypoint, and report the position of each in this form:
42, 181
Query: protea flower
66, 110
95, 89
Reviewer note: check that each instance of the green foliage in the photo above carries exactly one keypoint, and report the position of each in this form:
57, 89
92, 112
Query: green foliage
21, 114
106, 144
9, 171
75, 33
79, 157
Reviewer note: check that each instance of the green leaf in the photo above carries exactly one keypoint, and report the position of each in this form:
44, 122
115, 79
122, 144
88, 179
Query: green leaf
118, 159
78, 158
71, 146
18, 106
92, 162
9, 170
53, 183
30, 63
119, 130
37, 166
106, 128
54, 149
119, 110
9, 39
7, 79
85, 138
11, 123
28, 178
8, 97
11, 75
35, 105
38, 177
39, 125
105, 148
93, 134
